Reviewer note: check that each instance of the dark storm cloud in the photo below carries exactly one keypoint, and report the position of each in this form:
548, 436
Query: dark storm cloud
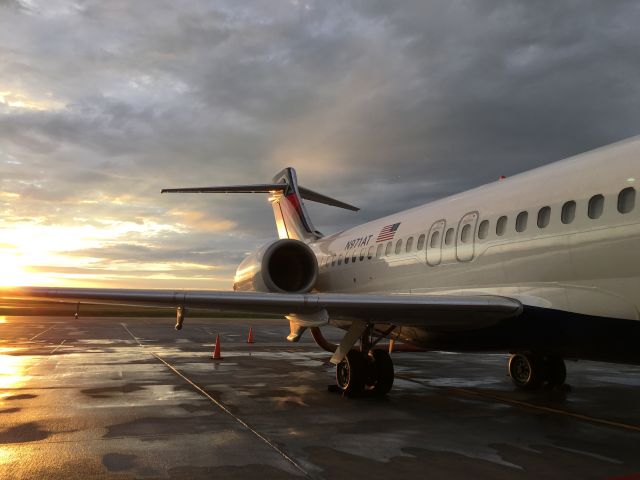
382, 104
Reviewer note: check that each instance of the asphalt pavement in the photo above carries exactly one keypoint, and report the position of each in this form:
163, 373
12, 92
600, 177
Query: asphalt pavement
122, 398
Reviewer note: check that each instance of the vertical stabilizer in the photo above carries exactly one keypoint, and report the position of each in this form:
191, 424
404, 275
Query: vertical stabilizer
292, 219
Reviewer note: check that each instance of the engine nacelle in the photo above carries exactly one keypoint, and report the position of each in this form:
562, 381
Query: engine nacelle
284, 266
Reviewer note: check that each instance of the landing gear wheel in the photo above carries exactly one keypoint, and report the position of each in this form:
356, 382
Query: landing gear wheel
351, 373
383, 374
556, 371
526, 370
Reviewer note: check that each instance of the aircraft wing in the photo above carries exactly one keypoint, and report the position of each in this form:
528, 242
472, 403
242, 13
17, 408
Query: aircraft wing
429, 311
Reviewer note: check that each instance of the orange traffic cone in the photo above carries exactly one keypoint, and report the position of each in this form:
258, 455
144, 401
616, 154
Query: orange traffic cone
391, 345
216, 351
250, 339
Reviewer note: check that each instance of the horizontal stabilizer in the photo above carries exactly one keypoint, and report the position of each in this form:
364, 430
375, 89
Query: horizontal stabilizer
319, 198
259, 188
266, 188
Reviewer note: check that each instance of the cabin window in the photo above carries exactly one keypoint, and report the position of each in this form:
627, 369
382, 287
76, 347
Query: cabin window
435, 238
379, 251
354, 255
448, 237
370, 252
465, 234
627, 200
333, 261
362, 252
521, 222
340, 259
501, 226
346, 259
387, 251
596, 206
544, 216
398, 246
409, 244
421, 241
483, 229
568, 212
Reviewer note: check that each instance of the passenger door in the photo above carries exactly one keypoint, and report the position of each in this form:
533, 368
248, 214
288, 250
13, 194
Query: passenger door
434, 243
466, 238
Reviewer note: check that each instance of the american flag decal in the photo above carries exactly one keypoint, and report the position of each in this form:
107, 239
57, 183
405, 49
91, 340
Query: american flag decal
387, 232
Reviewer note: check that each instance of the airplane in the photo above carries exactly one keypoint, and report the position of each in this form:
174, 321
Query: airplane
544, 265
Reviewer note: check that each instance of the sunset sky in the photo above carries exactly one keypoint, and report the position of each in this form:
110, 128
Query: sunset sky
385, 105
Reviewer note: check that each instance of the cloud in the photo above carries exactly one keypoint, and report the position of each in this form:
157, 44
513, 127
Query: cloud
383, 104
200, 221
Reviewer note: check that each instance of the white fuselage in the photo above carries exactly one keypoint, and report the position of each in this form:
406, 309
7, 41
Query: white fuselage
571, 262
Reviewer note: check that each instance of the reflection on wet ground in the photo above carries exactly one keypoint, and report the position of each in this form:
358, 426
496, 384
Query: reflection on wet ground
131, 398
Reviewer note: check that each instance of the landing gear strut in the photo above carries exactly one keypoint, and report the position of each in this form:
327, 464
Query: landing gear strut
530, 371
365, 370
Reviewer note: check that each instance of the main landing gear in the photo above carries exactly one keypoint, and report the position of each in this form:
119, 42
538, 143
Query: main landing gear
359, 373
530, 370
365, 370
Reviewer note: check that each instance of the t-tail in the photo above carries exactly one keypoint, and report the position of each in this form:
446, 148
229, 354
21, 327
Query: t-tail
287, 199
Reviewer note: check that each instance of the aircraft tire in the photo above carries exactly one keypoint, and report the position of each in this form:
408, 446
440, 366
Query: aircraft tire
527, 370
383, 372
351, 373
556, 371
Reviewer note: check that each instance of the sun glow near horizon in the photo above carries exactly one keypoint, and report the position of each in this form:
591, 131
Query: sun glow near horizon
33, 253
27, 245
13, 272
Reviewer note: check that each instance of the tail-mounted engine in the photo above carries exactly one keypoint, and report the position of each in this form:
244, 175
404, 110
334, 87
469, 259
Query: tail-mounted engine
284, 266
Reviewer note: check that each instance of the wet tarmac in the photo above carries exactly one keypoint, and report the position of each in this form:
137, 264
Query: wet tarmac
131, 398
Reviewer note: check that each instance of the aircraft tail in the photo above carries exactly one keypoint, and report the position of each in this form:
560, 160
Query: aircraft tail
286, 198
